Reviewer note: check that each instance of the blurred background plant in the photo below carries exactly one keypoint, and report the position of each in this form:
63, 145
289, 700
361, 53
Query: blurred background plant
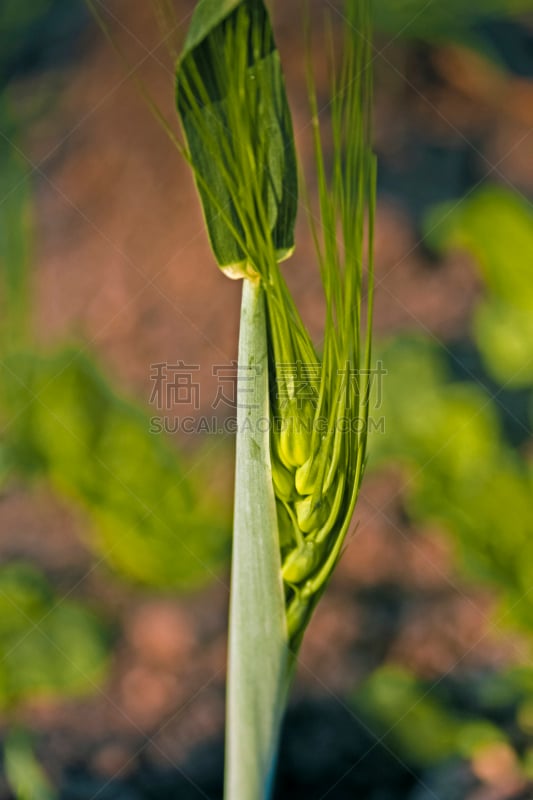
65, 423
106, 528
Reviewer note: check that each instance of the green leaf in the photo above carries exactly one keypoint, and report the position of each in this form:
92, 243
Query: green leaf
208, 14
259, 669
49, 648
151, 521
15, 239
24, 774
495, 226
417, 18
504, 334
417, 722
231, 98
462, 472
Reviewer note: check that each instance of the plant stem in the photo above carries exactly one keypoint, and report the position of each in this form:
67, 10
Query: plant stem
258, 663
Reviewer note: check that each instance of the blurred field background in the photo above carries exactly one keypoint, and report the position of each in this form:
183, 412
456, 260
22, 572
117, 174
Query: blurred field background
416, 675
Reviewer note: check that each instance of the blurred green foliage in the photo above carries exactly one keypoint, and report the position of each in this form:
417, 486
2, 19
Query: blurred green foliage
461, 471
15, 238
64, 422
495, 226
49, 646
16, 15
427, 722
61, 421
25, 776
438, 20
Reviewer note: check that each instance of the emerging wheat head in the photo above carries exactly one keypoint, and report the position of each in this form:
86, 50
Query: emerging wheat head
237, 125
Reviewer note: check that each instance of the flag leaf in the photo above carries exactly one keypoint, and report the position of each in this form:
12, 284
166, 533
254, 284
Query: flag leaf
231, 98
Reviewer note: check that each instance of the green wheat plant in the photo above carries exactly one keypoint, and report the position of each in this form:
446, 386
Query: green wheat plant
300, 457
298, 477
